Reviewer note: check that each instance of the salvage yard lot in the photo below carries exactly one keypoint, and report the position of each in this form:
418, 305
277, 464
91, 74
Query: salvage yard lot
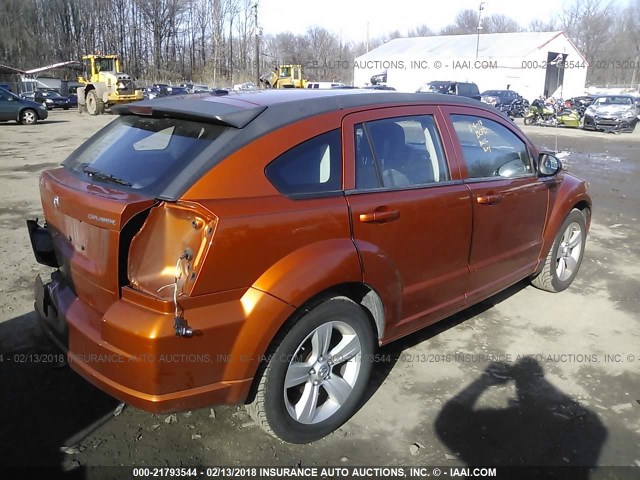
576, 401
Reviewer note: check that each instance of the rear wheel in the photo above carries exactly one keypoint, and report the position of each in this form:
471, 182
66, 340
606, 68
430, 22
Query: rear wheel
317, 374
28, 117
565, 256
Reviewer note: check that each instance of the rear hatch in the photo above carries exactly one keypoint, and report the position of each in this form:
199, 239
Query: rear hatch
85, 221
98, 201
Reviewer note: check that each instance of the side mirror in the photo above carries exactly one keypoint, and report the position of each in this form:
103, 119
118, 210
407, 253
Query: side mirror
548, 165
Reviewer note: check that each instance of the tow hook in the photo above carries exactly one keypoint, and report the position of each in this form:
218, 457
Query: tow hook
180, 325
182, 328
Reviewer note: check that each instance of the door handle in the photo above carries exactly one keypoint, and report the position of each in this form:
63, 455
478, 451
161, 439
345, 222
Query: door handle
380, 216
488, 199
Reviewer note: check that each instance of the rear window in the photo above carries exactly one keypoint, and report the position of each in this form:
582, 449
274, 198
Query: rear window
142, 153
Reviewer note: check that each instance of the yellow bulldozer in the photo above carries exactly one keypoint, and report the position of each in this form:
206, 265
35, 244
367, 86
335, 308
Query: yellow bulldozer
285, 76
104, 84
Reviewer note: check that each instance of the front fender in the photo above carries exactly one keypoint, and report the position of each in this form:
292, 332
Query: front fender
571, 193
310, 270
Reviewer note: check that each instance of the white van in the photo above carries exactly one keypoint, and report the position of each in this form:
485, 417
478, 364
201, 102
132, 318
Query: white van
324, 85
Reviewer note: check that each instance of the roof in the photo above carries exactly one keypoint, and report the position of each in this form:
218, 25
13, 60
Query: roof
517, 44
253, 114
276, 107
7, 69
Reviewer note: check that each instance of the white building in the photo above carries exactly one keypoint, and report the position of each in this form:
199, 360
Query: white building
526, 62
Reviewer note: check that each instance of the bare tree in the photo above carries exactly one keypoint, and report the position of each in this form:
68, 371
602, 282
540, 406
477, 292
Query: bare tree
466, 21
420, 31
497, 23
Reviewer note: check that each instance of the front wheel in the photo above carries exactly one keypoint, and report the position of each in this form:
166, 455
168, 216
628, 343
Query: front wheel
317, 374
95, 105
529, 120
28, 117
565, 256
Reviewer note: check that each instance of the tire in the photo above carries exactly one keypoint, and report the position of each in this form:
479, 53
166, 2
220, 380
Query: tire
95, 105
333, 343
28, 116
65, 108
565, 256
529, 120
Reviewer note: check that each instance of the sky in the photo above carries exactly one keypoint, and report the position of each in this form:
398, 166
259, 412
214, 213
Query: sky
349, 18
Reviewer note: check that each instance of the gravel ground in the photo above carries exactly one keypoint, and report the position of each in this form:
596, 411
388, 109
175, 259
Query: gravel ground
576, 401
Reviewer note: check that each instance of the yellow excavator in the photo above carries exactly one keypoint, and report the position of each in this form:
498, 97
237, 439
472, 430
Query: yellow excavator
104, 84
285, 76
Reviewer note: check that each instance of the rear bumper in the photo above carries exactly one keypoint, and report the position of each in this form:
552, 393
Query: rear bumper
129, 348
164, 374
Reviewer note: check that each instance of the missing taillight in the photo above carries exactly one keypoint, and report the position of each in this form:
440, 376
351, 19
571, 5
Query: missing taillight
171, 231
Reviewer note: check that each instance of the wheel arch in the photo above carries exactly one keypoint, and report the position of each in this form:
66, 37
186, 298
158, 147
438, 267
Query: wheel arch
24, 109
99, 87
358, 292
572, 196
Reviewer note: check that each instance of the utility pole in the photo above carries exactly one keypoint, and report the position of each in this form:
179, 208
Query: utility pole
257, 33
367, 37
482, 4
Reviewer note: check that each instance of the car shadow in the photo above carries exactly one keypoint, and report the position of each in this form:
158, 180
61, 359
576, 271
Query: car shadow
389, 355
46, 407
542, 427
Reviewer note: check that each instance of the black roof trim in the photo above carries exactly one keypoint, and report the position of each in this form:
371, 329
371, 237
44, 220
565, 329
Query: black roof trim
193, 109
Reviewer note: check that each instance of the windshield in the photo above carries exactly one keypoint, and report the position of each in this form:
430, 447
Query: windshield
142, 153
614, 101
105, 64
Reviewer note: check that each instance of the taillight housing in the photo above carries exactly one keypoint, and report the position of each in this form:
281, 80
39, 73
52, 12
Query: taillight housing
172, 244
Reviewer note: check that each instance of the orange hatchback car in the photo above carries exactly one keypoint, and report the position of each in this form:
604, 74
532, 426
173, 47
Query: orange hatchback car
258, 247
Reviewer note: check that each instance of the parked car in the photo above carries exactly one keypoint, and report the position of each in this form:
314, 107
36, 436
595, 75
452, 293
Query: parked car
195, 88
179, 91
48, 98
22, 110
55, 100
321, 85
616, 113
258, 247
463, 89
157, 90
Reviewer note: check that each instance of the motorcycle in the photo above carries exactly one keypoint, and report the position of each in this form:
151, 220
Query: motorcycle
541, 114
516, 109
569, 117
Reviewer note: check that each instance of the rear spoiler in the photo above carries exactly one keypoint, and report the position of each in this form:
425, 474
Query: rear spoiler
219, 113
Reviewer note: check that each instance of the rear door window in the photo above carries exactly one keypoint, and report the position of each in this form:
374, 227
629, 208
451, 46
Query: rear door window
399, 152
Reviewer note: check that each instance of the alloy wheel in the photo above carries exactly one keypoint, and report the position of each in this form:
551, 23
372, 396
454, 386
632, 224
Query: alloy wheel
569, 251
322, 372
